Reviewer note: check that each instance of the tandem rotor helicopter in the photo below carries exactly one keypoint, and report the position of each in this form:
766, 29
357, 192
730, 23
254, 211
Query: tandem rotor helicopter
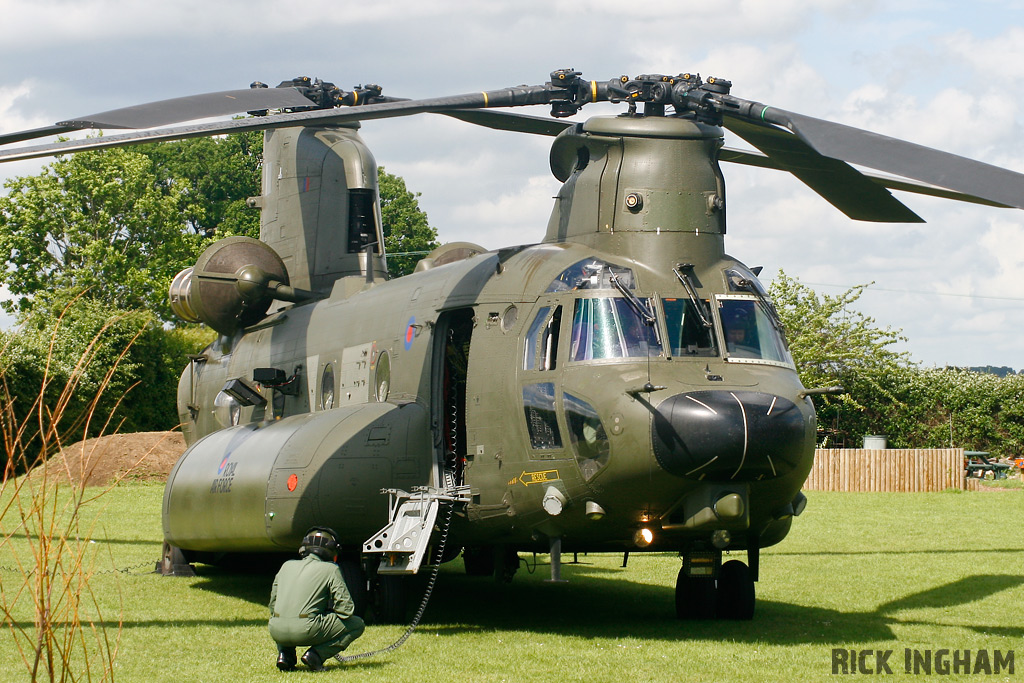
622, 386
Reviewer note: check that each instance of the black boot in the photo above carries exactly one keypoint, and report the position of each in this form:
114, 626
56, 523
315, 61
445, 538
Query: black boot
286, 659
313, 660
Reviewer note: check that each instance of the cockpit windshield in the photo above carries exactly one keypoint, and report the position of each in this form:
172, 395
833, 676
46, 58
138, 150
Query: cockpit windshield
687, 333
611, 327
749, 331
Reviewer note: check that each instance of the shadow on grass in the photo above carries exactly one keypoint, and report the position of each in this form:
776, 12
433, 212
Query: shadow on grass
159, 623
20, 535
597, 607
598, 603
252, 584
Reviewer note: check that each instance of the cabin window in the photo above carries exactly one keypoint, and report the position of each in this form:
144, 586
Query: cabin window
539, 406
587, 434
751, 332
327, 387
610, 327
382, 376
687, 333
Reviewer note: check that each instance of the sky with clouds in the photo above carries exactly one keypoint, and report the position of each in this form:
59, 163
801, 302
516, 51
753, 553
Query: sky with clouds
942, 74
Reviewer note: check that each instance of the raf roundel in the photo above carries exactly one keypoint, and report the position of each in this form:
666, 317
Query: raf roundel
410, 333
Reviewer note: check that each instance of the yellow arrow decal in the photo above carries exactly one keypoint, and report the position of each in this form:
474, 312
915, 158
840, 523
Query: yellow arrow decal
527, 478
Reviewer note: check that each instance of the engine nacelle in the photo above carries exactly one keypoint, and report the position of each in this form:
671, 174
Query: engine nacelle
231, 286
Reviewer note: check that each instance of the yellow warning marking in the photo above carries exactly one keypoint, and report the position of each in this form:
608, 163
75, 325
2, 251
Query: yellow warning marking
486, 99
527, 478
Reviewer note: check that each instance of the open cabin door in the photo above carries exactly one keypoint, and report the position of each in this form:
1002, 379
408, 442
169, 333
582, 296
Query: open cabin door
450, 365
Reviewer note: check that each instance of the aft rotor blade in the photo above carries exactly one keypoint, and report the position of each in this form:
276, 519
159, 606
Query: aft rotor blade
170, 111
839, 183
503, 120
520, 95
903, 158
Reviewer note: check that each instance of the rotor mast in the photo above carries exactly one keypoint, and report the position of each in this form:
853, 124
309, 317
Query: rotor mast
631, 183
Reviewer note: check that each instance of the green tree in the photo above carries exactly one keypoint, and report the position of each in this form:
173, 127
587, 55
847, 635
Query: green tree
121, 223
914, 407
407, 234
834, 344
212, 178
92, 369
95, 221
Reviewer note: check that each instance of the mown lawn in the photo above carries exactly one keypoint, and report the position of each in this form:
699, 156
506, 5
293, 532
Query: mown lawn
859, 571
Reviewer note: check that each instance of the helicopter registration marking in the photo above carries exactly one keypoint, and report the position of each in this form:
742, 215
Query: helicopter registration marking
527, 478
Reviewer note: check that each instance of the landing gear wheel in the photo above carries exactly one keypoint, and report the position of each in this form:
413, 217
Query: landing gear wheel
736, 593
174, 562
478, 561
696, 598
506, 564
391, 599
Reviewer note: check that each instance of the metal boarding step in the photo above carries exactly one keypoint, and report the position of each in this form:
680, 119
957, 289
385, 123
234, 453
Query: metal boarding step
404, 540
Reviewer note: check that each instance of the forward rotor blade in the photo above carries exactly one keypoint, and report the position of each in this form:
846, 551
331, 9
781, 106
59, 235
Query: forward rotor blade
839, 183
175, 110
746, 157
903, 158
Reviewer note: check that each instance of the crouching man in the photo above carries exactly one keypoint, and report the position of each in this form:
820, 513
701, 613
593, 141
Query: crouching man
311, 606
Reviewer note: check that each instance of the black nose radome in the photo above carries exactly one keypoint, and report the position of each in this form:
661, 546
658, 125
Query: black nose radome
728, 435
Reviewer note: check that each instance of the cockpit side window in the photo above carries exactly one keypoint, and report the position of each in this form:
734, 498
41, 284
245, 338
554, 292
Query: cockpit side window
549, 340
541, 344
610, 327
532, 341
749, 331
587, 434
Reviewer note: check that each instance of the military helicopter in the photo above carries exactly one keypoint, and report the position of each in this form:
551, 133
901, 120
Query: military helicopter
622, 386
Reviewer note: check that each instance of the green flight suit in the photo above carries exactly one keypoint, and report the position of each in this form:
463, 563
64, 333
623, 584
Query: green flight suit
310, 605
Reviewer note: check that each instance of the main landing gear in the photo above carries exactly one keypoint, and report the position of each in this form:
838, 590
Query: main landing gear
708, 589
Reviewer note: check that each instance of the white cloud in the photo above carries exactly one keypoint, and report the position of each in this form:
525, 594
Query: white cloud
997, 62
933, 73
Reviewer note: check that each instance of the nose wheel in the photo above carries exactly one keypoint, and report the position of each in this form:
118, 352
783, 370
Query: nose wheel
696, 597
736, 593
730, 596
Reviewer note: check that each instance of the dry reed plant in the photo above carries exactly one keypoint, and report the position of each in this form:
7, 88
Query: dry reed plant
61, 630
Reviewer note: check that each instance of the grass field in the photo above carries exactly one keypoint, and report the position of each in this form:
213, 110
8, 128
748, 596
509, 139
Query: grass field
859, 571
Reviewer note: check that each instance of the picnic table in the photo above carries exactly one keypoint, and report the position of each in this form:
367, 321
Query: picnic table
977, 464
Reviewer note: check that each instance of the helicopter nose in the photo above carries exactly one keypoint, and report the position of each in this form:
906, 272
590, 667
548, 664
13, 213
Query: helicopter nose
728, 435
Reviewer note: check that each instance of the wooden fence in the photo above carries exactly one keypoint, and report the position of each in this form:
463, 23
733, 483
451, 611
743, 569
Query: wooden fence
858, 469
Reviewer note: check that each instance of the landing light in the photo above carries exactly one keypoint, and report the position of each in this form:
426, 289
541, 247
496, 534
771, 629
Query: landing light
594, 511
643, 537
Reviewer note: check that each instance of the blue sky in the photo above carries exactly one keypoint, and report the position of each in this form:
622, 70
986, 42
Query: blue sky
943, 74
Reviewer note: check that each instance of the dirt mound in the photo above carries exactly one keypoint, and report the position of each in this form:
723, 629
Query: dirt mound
147, 456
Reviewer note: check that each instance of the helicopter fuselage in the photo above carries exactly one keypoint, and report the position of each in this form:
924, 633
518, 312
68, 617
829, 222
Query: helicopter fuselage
624, 385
